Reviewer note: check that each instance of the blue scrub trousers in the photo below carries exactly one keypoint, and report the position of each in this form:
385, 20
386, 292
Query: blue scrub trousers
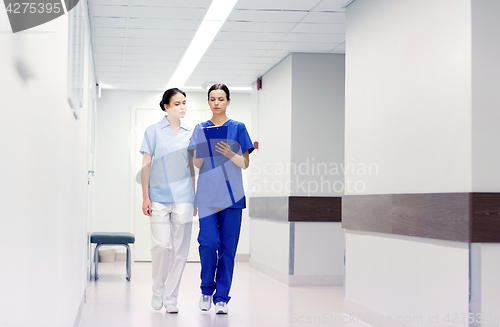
218, 239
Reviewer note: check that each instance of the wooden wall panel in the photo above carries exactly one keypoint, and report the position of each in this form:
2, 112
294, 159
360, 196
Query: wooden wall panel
367, 213
442, 216
460, 217
297, 208
485, 216
309, 208
273, 208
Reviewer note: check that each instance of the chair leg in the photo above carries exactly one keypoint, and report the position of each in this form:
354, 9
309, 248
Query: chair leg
128, 262
96, 260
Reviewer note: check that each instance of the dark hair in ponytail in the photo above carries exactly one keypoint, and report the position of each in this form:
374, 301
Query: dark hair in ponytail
168, 95
219, 86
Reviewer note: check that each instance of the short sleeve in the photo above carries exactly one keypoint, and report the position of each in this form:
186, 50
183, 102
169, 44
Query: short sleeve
148, 144
193, 139
244, 139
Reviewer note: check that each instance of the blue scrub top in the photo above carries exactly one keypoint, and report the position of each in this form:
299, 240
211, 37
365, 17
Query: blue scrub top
220, 183
170, 178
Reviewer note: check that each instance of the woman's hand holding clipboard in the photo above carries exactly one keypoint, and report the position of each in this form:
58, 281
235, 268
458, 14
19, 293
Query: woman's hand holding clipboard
211, 148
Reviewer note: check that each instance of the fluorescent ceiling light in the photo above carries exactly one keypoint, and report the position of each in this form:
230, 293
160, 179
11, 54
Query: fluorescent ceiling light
108, 86
214, 19
347, 4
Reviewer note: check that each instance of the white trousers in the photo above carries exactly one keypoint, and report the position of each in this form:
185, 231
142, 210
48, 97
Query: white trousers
170, 239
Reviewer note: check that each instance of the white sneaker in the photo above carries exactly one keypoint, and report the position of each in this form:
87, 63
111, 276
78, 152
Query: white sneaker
221, 308
205, 302
171, 308
157, 302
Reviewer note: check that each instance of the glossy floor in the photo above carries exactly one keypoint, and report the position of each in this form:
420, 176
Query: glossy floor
257, 301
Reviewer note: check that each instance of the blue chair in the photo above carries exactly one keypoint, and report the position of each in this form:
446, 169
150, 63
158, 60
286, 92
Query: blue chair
104, 238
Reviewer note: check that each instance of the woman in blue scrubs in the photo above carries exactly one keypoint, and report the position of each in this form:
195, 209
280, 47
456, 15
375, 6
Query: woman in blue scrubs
168, 193
220, 200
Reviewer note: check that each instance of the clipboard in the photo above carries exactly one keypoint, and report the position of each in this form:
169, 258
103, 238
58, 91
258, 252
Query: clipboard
212, 135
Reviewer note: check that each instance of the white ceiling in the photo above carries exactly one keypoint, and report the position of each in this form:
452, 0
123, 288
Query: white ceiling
139, 43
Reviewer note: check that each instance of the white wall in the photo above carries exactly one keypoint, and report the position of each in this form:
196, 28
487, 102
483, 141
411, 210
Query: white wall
318, 253
317, 140
271, 114
485, 100
311, 241
490, 287
403, 276
408, 98
113, 172
44, 186
269, 251
268, 170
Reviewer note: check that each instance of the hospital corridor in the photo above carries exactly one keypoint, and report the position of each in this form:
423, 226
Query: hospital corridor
250, 163
258, 300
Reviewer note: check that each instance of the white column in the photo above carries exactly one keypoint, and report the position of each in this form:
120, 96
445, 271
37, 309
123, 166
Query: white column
421, 104
300, 128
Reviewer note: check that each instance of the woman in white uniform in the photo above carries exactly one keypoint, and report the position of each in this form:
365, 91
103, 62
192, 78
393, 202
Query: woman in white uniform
168, 193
